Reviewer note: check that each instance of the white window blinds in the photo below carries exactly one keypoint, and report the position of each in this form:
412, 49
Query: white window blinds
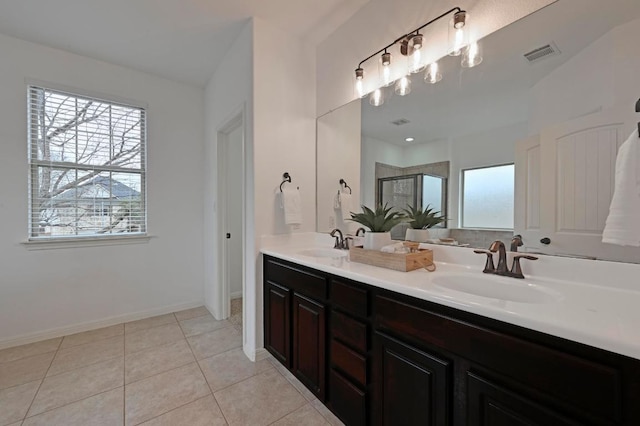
87, 166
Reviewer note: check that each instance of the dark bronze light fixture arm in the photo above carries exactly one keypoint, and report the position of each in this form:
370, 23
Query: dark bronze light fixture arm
404, 37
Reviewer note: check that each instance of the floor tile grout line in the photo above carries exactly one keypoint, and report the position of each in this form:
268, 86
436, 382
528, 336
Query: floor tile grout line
173, 409
93, 341
101, 340
27, 357
208, 331
124, 377
82, 366
162, 372
149, 328
204, 376
240, 381
42, 381
73, 402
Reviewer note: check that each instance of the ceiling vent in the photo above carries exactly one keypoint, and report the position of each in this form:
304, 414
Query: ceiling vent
400, 122
546, 51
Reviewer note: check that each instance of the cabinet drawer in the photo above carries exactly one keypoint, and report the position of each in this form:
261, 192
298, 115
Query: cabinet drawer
565, 379
350, 298
303, 282
349, 331
347, 401
349, 362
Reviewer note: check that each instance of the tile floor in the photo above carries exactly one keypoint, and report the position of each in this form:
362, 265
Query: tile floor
184, 368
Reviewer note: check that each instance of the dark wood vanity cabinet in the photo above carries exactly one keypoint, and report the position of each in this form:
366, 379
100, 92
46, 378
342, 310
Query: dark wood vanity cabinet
411, 385
376, 357
295, 321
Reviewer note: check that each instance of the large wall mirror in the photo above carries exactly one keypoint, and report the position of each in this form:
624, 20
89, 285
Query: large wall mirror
525, 143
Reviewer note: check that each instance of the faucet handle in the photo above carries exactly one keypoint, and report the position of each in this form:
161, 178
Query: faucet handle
516, 270
345, 245
489, 267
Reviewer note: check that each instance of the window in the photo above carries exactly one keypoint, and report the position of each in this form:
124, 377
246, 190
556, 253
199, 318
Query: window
87, 166
487, 197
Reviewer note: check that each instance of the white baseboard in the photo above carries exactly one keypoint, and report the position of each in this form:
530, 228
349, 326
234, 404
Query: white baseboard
92, 325
236, 295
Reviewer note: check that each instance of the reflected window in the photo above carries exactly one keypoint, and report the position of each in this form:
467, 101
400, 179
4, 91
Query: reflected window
488, 197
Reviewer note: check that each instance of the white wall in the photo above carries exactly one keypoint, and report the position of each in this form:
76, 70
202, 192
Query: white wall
496, 146
602, 75
381, 21
284, 137
60, 289
339, 142
375, 151
227, 94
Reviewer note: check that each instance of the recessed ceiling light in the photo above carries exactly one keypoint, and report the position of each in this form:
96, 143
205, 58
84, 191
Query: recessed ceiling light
408, 140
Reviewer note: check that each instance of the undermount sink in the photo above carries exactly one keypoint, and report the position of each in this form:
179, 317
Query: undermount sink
496, 287
324, 252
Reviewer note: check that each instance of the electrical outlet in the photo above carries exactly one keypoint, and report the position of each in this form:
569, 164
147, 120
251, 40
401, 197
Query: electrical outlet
332, 221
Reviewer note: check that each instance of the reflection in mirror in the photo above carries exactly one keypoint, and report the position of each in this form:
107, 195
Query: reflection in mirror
554, 98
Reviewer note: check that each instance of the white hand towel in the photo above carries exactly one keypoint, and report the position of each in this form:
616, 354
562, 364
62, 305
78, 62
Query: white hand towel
623, 223
292, 205
345, 205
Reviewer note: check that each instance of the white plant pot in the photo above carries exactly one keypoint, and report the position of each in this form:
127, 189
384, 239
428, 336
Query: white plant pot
376, 240
417, 235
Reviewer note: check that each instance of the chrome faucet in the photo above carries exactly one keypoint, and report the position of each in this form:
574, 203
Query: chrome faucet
341, 243
516, 242
501, 269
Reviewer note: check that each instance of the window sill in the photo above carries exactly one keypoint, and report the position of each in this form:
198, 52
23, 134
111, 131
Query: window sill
63, 243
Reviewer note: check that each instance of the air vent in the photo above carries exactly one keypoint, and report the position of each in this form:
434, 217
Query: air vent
542, 52
400, 122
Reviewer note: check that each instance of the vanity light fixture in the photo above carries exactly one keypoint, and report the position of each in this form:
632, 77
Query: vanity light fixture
433, 74
412, 45
409, 139
472, 56
403, 86
377, 97
385, 69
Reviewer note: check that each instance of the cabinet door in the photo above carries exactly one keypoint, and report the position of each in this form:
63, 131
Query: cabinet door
411, 387
492, 405
277, 307
309, 343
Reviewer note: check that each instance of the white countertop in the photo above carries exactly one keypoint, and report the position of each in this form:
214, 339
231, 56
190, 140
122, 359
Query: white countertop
596, 303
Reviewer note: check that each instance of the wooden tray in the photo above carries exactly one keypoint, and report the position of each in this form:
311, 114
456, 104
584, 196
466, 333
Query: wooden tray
404, 262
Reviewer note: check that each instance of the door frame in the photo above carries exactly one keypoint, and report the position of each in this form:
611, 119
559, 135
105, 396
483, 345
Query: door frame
223, 293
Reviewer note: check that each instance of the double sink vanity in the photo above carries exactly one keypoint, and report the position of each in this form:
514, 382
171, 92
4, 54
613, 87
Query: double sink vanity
454, 346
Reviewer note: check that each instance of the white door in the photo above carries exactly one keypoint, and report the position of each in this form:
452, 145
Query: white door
576, 161
233, 206
527, 193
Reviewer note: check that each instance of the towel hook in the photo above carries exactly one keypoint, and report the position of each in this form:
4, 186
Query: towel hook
285, 178
638, 110
342, 181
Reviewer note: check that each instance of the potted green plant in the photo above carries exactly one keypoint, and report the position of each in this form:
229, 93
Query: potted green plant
379, 221
420, 221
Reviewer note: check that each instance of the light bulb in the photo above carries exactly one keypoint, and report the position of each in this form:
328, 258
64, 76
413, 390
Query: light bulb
377, 97
416, 64
433, 74
458, 33
403, 86
385, 70
359, 83
472, 56
360, 89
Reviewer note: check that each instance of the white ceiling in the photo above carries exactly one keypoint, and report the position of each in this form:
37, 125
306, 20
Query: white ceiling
495, 94
182, 40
